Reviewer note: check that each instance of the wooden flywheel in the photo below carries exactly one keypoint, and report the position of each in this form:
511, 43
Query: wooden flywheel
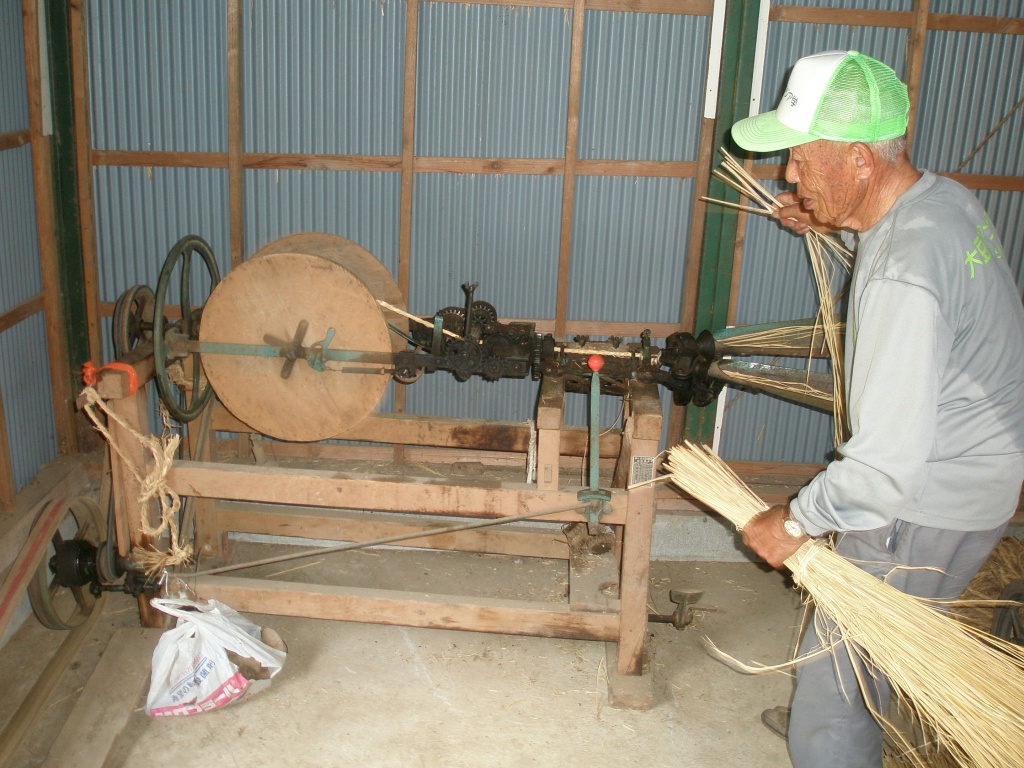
357, 260
296, 292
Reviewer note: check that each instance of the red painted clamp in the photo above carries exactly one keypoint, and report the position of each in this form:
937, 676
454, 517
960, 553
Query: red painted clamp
90, 374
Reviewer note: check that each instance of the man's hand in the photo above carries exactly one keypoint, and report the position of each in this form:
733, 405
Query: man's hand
765, 535
792, 215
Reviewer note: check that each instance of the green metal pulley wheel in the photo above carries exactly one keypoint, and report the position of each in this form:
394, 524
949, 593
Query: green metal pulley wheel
185, 402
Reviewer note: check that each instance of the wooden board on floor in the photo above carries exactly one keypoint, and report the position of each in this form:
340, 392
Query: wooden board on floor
409, 609
63, 477
628, 691
117, 687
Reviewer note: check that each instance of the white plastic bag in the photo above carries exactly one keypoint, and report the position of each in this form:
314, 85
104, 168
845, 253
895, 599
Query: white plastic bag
192, 671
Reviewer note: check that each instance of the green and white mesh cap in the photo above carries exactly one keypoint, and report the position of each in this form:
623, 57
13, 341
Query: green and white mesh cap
835, 95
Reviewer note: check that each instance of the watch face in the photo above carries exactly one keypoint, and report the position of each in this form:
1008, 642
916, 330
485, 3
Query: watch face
793, 528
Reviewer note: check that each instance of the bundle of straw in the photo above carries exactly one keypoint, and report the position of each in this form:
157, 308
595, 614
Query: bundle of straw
827, 255
790, 339
965, 686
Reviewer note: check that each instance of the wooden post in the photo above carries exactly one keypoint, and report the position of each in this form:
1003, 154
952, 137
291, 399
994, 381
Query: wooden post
83, 162
7, 488
408, 171
132, 408
705, 157
550, 411
572, 121
210, 539
716, 266
408, 145
42, 178
640, 440
236, 174
915, 60
129, 511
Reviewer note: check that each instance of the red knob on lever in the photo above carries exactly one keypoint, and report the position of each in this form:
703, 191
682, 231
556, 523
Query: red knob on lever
595, 363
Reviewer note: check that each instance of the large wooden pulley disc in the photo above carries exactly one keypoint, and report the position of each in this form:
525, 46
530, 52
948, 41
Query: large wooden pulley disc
276, 299
357, 260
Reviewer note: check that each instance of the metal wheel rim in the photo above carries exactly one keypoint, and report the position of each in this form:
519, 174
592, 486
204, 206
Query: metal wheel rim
183, 250
133, 319
43, 589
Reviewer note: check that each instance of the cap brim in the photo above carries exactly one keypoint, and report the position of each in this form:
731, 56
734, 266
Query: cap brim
764, 133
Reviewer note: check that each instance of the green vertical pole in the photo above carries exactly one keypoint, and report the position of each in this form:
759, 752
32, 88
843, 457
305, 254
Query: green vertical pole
65, 187
715, 281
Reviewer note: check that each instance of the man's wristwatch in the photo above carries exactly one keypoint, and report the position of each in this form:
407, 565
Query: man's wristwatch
793, 528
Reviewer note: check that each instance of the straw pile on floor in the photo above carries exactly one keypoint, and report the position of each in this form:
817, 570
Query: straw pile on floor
1004, 565
965, 686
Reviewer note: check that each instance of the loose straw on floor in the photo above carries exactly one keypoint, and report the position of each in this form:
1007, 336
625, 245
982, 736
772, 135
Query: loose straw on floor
966, 687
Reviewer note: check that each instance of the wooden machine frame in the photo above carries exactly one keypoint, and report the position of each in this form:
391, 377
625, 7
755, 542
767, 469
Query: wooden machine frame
608, 592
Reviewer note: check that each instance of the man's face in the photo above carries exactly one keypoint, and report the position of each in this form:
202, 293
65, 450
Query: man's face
824, 174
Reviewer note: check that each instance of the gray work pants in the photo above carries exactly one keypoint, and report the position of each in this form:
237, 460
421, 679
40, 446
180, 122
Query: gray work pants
830, 726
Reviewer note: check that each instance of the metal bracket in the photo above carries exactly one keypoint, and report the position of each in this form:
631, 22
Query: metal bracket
682, 616
595, 498
597, 501
437, 337
316, 353
290, 351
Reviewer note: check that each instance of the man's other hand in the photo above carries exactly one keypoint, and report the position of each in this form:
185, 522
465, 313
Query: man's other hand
792, 215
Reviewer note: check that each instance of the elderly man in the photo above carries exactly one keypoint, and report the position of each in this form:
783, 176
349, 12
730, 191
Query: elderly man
934, 376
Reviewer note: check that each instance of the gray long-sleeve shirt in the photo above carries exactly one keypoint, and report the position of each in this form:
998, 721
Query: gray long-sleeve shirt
934, 374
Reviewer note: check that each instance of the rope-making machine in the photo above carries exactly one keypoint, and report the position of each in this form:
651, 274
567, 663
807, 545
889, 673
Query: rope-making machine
292, 352
466, 340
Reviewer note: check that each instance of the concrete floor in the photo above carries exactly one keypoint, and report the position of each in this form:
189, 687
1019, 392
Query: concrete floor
372, 695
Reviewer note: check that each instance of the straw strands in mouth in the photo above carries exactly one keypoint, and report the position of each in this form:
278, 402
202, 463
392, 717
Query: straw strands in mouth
827, 255
736, 176
965, 686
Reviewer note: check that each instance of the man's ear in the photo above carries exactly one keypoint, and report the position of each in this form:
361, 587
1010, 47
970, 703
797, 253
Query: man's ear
863, 160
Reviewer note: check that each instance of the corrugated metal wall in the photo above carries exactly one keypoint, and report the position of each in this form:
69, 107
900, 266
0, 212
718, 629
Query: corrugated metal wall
972, 82
25, 378
323, 77
24, 367
861, 5
157, 75
20, 278
14, 115
157, 78
327, 78
491, 81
